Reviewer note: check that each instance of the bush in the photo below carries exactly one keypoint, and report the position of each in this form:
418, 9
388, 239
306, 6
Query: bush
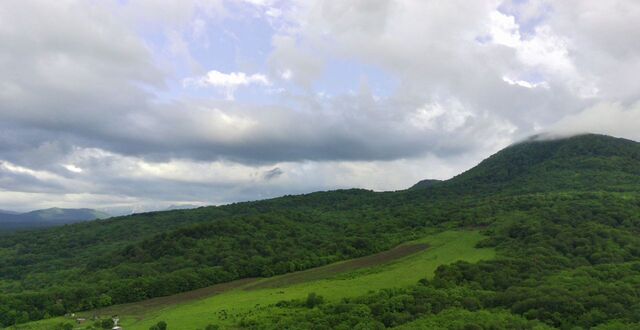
162, 325
106, 324
313, 300
64, 326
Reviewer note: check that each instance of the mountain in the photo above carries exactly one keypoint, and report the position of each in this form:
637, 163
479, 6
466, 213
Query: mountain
47, 218
181, 207
425, 184
583, 162
561, 215
66, 215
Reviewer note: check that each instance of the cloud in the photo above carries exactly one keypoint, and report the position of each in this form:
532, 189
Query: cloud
524, 83
604, 118
291, 62
603, 42
94, 109
72, 168
299, 127
272, 174
228, 81
120, 184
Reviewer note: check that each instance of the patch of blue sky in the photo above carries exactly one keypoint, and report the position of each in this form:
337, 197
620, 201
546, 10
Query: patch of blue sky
347, 76
526, 20
235, 45
533, 77
242, 43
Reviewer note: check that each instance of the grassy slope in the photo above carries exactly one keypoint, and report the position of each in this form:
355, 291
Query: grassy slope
444, 248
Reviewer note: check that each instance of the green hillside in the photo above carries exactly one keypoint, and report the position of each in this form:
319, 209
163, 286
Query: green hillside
238, 304
562, 216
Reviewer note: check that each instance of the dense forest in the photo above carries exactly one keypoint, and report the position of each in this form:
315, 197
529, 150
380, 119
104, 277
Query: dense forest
570, 262
564, 216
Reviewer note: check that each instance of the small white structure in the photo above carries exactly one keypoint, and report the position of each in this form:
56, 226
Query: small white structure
115, 324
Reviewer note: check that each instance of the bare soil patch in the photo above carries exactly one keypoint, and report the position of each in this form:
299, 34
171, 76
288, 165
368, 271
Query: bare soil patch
142, 307
338, 268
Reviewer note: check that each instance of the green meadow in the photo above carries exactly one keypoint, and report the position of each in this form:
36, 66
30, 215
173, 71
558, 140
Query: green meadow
245, 302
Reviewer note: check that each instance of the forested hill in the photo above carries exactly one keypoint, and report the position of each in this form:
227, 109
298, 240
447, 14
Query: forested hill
572, 202
426, 183
584, 162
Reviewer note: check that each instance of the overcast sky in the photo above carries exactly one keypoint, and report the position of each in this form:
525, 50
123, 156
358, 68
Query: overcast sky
137, 105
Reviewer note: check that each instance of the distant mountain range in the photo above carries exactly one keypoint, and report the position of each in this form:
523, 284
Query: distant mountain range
10, 220
182, 207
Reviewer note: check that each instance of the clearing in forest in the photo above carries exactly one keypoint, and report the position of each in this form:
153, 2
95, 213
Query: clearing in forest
226, 304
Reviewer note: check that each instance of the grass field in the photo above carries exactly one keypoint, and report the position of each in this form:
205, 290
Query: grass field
226, 304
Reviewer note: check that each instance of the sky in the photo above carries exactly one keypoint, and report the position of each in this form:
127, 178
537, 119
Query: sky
135, 105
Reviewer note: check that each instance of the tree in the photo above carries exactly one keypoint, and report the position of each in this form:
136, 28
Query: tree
106, 324
162, 325
104, 300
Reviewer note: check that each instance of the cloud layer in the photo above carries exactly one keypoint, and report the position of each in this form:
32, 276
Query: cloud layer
137, 105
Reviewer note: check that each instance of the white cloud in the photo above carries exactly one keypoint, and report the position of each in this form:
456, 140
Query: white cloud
604, 43
524, 83
259, 2
17, 169
544, 52
228, 81
72, 168
604, 118
448, 116
291, 62
286, 74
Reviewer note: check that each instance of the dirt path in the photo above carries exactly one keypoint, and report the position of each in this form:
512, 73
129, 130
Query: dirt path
142, 307
338, 268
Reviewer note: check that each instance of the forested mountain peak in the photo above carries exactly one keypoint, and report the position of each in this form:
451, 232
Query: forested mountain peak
426, 183
588, 161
